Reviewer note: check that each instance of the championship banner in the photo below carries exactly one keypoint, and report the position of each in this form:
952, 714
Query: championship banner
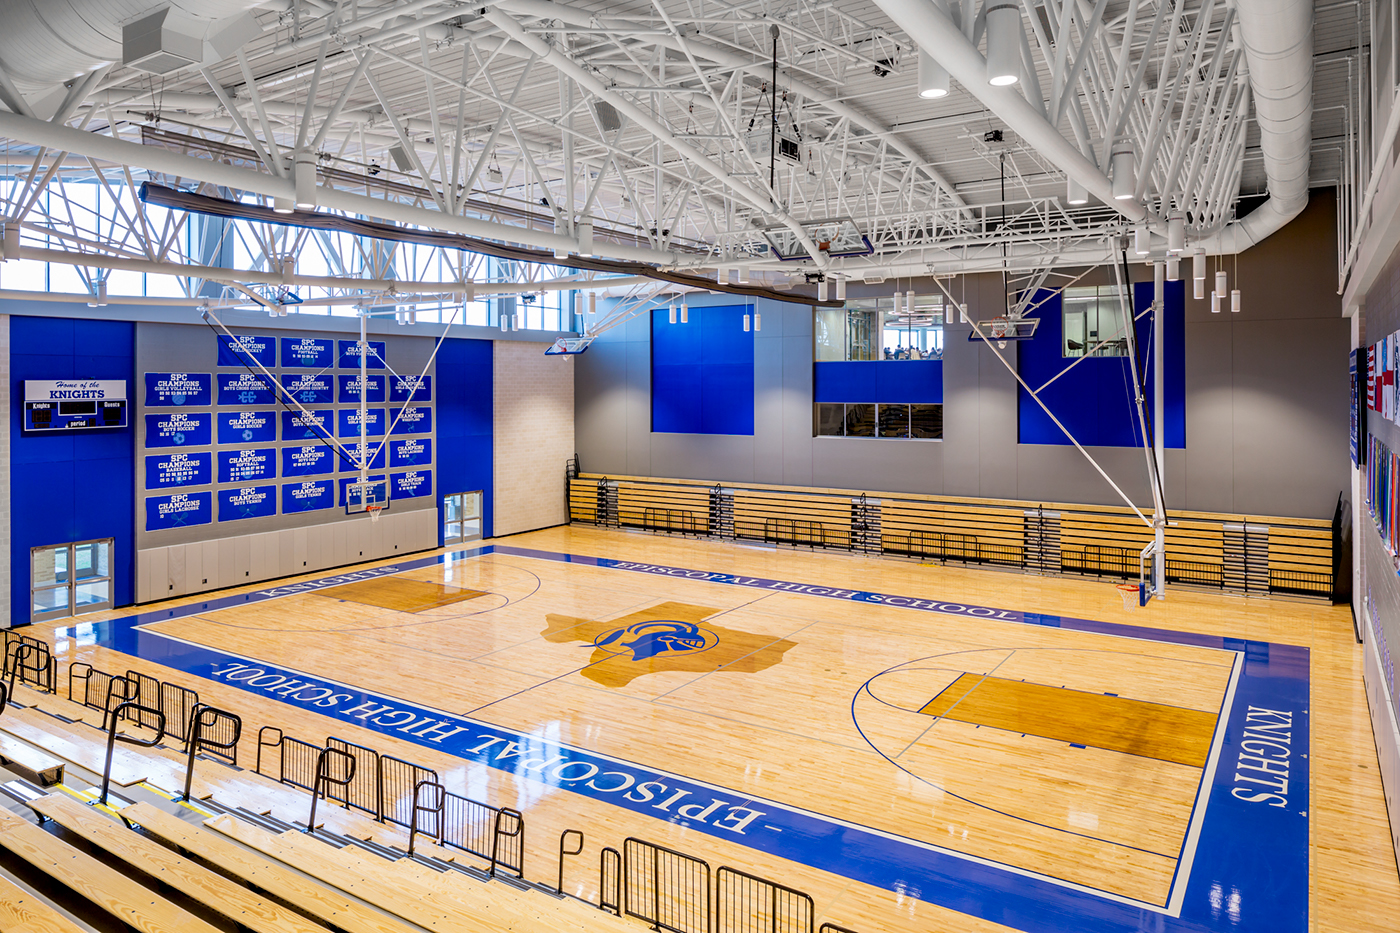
352, 463
411, 485
416, 419
307, 496
309, 389
410, 389
350, 389
179, 429
308, 460
178, 511
164, 471
237, 466
316, 424
307, 353
245, 348
164, 390
247, 502
247, 427
349, 422
412, 452
349, 352
245, 389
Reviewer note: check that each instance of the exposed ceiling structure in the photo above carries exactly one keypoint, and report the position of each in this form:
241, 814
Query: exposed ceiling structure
759, 141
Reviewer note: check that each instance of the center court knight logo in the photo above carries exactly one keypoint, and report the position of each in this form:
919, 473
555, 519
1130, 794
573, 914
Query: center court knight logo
666, 637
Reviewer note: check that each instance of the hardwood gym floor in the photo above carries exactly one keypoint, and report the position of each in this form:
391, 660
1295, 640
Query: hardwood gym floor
970, 751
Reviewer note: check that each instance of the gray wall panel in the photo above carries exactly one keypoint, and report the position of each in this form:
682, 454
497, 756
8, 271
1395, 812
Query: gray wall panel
1265, 402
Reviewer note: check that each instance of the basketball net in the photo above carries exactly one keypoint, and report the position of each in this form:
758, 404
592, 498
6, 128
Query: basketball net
374, 511
1129, 592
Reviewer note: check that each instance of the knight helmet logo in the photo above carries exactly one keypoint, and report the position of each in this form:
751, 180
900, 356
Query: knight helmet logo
669, 636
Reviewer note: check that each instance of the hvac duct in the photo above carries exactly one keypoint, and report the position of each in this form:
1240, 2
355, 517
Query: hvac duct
44, 44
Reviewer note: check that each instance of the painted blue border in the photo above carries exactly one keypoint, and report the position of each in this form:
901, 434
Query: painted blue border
1250, 870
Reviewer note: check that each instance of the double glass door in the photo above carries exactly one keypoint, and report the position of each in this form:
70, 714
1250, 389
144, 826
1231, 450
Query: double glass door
461, 517
68, 579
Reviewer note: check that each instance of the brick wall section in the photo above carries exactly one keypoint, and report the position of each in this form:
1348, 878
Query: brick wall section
534, 436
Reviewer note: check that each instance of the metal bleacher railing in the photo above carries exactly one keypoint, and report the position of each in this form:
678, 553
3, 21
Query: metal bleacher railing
1247, 554
671, 890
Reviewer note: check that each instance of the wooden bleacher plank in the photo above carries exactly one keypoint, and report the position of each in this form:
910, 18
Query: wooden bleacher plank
45, 732
105, 887
275, 879
212, 890
44, 769
394, 894
22, 912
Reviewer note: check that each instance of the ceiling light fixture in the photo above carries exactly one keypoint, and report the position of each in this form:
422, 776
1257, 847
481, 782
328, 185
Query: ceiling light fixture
933, 77
1003, 44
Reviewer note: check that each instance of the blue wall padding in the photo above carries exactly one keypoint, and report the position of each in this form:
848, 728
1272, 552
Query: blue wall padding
78, 486
1094, 400
907, 382
465, 409
702, 372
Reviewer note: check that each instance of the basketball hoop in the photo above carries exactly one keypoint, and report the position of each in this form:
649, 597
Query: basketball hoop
374, 511
1130, 594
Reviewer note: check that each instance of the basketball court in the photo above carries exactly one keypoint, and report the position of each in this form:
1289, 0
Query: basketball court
898, 739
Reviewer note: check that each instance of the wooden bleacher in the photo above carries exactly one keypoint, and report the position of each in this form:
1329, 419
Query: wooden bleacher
447, 900
212, 890
261, 874
22, 912
30, 762
104, 887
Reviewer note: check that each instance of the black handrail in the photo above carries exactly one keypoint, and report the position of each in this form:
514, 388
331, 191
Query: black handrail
497, 833
113, 738
257, 765
322, 778
125, 696
198, 723
615, 902
413, 829
559, 888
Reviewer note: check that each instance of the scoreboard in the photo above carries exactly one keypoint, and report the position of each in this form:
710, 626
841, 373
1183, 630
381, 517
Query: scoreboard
74, 404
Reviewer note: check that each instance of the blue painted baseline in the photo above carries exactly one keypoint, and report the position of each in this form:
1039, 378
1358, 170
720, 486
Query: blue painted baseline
1250, 869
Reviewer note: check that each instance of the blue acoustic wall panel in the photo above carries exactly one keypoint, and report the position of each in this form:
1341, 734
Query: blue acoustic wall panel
702, 372
465, 409
897, 382
1094, 400
71, 487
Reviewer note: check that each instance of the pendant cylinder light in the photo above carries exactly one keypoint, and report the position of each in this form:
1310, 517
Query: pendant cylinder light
585, 238
283, 205
1214, 302
1234, 301
1176, 233
743, 275
757, 321
1222, 283
685, 312
304, 177
1173, 269
933, 77
1003, 44
1121, 168
1076, 193
841, 289
1198, 289
671, 314
746, 324
821, 290
1142, 240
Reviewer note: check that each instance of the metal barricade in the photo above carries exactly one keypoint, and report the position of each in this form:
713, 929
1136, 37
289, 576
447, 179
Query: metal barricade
39, 667
746, 903
329, 775
399, 782
179, 703
214, 731
668, 889
468, 825
146, 692
365, 791
418, 807
508, 842
610, 880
